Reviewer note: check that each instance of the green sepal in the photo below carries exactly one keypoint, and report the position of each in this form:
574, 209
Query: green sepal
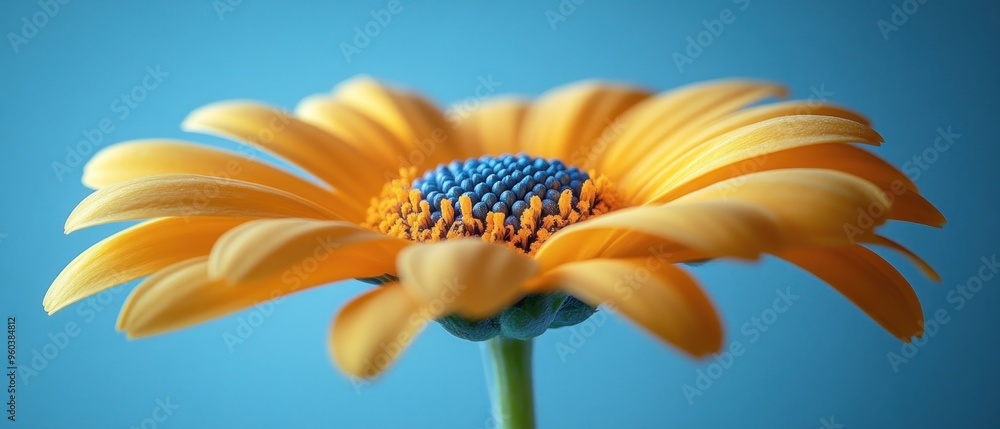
480, 330
528, 318
572, 312
379, 280
531, 316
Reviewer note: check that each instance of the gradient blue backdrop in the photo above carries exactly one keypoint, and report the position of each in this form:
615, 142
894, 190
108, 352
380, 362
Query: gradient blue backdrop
822, 362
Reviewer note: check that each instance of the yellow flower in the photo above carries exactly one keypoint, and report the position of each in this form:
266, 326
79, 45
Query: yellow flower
594, 192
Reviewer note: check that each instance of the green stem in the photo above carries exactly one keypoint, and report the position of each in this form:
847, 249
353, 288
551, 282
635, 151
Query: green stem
513, 400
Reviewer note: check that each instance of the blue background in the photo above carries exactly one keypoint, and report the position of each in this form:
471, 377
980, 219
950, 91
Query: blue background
822, 359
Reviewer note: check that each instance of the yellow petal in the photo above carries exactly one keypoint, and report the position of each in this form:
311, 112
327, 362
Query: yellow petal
409, 117
133, 253
184, 274
752, 142
656, 124
300, 248
184, 195
868, 281
755, 114
907, 204
711, 229
834, 156
392, 107
566, 122
659, 297
470, 277
811, 206
913, 257
325, 156
371, 331
354, 128
140, 158
183, 294
493, 128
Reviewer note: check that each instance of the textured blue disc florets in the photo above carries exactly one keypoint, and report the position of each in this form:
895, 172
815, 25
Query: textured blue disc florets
501, 184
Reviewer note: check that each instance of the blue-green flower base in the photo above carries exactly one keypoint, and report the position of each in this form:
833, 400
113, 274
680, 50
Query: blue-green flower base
528, 318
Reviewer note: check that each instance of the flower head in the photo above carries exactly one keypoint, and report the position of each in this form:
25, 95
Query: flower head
516, 218
518, 200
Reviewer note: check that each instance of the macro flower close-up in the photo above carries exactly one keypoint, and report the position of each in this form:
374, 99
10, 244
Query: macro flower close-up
489, 215
527, 216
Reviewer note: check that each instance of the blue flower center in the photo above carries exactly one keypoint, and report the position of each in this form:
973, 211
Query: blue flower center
518, 200
501, 184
